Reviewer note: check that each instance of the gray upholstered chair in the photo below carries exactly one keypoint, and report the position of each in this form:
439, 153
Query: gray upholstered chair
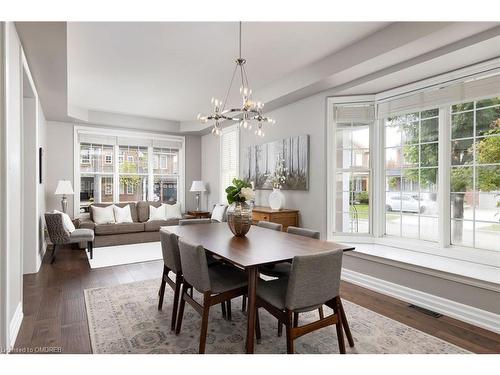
270, 225
171, 262
218, 284
194, 221
303, 232
60, 236
314, 280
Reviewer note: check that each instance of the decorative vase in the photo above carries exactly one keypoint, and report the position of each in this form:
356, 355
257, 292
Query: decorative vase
239, 218
276, 199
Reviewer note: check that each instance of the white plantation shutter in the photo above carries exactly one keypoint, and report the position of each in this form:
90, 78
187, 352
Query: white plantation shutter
230, 158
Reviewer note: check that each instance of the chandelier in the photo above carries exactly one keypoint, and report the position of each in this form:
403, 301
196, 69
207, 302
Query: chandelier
250, 110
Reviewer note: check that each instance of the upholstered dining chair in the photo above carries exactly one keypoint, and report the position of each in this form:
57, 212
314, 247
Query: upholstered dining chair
270, 225
314, 280
60, 236
218, 283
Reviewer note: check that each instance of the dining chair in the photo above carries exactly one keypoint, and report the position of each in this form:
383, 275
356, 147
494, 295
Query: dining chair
218, 283
314, 280
283, 269
194, 221
59, 235
270, 225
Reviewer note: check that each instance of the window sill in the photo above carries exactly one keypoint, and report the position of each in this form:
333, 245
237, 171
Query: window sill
458, 270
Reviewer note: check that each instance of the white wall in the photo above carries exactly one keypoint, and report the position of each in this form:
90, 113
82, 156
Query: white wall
59, 162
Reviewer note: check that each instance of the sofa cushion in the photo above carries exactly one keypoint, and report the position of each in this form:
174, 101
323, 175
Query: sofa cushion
133, 209
121, 228
154, 225
143, 210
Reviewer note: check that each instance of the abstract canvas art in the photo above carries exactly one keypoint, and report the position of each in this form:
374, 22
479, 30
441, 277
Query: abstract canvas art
259, 161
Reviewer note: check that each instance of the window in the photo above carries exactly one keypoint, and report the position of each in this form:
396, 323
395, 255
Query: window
475, 174
132, 178
230, 157
411, 171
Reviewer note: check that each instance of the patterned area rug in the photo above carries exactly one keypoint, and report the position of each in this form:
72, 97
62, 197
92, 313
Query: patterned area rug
125, 319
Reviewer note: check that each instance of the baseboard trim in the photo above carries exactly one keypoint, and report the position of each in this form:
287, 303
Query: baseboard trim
15, 324
468, 314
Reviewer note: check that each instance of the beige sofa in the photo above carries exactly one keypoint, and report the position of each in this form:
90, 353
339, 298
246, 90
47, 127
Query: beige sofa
141, 230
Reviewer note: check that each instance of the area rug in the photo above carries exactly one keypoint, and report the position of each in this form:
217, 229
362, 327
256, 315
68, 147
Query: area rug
124, 254
125, 319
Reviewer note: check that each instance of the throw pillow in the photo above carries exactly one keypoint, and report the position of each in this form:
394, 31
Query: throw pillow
156, 213
173, 211
123, 214
67, 223
103, 215
219, 212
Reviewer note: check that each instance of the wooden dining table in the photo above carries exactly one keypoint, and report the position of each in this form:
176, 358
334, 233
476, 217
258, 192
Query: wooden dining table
259, 247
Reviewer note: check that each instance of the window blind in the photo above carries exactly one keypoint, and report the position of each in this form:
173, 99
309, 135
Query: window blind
229, 159
440, 96
362, 113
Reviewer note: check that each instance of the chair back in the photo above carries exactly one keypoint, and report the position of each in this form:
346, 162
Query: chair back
270, 225
194, 265
57, 232
303, 232
194, 221
314, 279
170, 250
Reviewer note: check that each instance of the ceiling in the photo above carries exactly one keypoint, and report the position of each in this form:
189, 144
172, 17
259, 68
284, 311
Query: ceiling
163, 74
171, 70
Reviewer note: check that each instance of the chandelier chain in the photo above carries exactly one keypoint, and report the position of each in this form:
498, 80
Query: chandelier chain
229, 89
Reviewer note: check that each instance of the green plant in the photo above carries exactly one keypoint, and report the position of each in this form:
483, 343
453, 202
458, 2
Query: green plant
239, 191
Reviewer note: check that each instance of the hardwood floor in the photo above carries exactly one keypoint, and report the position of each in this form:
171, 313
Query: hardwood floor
55, 315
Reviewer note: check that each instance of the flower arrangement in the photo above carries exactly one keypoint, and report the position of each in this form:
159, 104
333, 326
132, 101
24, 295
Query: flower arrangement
239, 191
278, 177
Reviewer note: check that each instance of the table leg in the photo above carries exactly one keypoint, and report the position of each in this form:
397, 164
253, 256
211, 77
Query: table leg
345, 324
252, 295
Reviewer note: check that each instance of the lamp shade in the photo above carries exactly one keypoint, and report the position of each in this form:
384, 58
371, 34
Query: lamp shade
197, 186
64, 188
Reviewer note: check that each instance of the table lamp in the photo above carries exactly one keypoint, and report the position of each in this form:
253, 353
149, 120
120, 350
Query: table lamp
64, 188
198, 187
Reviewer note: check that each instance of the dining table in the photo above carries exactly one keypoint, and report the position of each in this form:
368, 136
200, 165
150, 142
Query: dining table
260, 246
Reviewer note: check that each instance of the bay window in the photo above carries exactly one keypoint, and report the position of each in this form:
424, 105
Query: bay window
230, 155
148, 167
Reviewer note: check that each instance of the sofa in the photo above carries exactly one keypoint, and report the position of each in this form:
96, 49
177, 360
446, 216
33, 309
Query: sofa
141, 230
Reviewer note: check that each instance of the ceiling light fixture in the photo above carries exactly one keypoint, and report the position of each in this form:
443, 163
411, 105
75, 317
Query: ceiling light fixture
250, 111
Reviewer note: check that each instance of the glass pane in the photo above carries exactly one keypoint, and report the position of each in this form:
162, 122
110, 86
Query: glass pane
429, 113
462, 107
165, 189
393, 158
429, 229
462, 233
461, 152
486, 121
392, 223
488, 102
461, 179
410, 156
392, 136
360, 137
344, 158
488, 235
428, 180
488, 150
409, 182
165, 161
429, 130
487, 207
462, 125
95, 189
96, 158
429, 155
342, 181
343, 137
393, 201
133, 188
343, 200
347, 222
410, 133
393, 180
461, 206
135, 159
359, 216
361, 158
409, 226
488, 178
359, 182
428, 204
